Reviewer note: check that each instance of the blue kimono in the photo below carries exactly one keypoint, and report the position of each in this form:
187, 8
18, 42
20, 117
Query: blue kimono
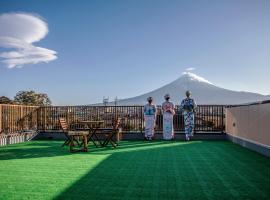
188, 106
149, 119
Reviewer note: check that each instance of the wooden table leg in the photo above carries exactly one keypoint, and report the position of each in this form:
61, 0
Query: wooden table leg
92, 133
85, 143
94, 136
71, 144
110, 139
67, 141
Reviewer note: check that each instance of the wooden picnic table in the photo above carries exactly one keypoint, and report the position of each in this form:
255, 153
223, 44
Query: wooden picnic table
95, 126
92, 127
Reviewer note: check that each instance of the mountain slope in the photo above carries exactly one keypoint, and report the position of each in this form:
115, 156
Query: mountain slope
203, 91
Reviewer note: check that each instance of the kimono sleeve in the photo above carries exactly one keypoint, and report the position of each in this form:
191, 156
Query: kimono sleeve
155, 110
144, 109
182, 106
173, 109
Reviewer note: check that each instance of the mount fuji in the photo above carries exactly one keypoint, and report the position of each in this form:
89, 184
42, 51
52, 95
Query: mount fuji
203, 91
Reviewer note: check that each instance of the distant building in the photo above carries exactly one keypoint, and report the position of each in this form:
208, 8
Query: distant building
105, 101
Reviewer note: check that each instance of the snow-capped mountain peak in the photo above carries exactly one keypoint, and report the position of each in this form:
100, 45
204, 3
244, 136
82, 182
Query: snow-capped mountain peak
194, 77
203, 91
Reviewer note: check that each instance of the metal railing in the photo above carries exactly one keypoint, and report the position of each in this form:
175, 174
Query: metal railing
208, 118
19, 118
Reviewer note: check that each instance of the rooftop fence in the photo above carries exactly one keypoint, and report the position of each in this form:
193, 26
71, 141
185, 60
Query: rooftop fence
20, 118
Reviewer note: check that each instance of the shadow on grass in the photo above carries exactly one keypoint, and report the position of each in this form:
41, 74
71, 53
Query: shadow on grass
34, 149
128, 146
162, 170
37, 149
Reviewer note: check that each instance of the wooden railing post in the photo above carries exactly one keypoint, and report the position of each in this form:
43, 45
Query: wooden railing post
38, 118
21, 120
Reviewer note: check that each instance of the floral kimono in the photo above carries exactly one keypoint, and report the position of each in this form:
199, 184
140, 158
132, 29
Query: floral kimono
150, 119
168, 113
188, 106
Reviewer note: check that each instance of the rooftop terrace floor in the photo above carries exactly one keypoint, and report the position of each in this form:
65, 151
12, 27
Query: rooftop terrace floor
135, 170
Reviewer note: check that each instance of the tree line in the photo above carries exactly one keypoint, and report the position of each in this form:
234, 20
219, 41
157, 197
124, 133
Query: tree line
27, 98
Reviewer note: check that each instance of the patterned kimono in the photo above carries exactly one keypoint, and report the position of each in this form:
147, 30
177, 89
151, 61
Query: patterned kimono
150, 119
168, 112
188, 106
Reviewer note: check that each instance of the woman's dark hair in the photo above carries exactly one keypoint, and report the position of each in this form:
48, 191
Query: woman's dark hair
167, 97
150, 99
188, 93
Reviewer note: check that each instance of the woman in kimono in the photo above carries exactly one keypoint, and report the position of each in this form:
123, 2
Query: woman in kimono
150, 111
168, 113
188, 107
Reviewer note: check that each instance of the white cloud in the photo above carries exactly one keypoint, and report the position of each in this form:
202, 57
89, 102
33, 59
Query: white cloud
190, 69
17, 33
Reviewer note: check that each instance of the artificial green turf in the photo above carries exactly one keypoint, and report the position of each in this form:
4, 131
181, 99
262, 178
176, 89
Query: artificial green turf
135, 170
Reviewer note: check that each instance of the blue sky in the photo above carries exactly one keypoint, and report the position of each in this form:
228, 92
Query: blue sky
126, 48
